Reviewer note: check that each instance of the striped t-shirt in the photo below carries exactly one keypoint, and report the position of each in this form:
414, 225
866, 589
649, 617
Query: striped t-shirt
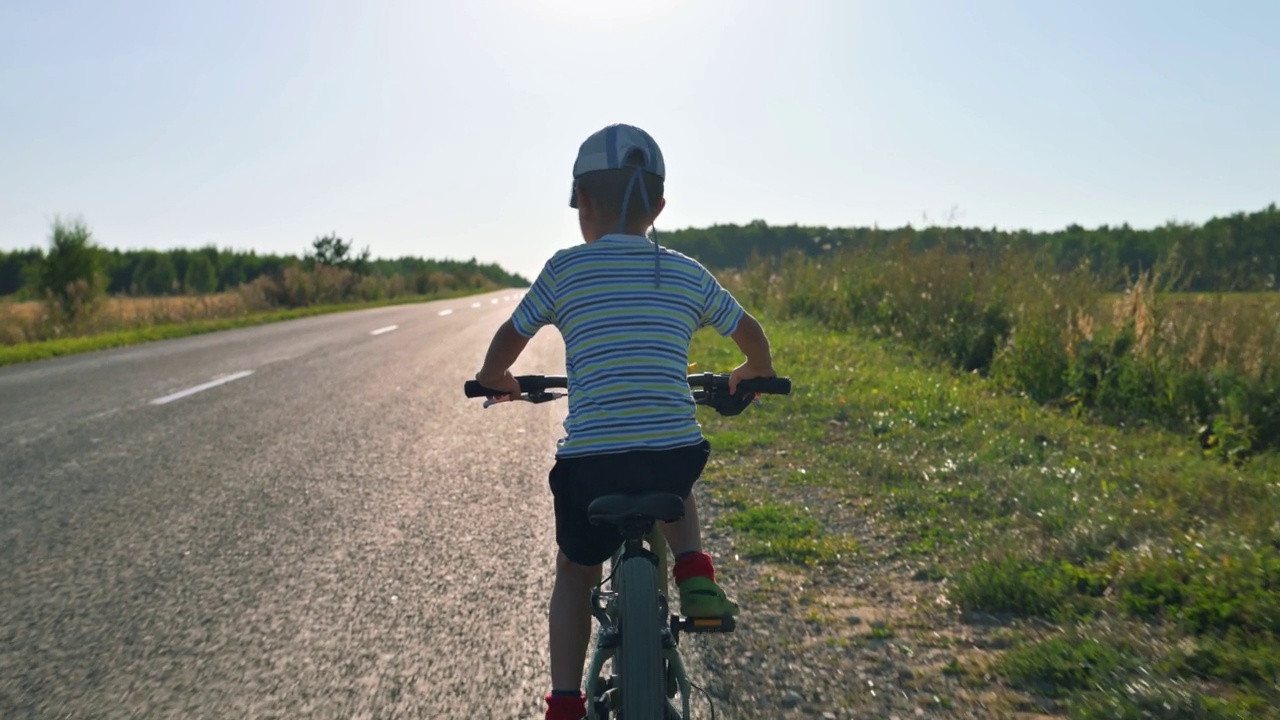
626, 341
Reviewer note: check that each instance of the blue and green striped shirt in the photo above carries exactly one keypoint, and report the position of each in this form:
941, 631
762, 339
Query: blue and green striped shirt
626, 341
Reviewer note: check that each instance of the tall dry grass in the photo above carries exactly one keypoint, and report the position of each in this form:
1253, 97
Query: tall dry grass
295, 287
1203, 364
33, 321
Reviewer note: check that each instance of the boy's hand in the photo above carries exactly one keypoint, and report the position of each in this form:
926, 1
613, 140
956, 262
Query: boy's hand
746, 371
505, 383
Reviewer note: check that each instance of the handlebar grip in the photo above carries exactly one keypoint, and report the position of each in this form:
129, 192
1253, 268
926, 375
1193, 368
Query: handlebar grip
528, 383
474, 389
768, 386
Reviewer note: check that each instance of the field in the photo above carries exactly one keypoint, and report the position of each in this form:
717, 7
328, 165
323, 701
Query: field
959, 547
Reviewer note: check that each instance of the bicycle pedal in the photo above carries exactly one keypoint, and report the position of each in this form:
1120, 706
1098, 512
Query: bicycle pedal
708, 624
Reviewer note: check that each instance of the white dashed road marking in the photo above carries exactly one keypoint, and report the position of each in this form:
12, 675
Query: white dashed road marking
200, 388
445, 312
475, 305
386, 329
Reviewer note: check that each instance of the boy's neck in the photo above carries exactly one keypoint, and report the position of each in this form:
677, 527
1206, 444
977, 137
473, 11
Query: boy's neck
596, 233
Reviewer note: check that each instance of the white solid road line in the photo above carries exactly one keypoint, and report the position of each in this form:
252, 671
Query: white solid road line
386, 329
199, 388
445, 312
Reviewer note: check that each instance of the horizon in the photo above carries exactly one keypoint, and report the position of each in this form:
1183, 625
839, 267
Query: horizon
448, 132
373, 255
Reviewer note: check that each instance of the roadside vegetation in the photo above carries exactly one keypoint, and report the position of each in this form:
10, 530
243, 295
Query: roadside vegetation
1087, 471
1234, 253
75, 295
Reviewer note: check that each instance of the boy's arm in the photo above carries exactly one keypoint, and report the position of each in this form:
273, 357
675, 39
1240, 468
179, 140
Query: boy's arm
506, 346
753, 343
723, 312
536, 309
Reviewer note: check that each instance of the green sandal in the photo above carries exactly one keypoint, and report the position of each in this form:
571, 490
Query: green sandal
702, 597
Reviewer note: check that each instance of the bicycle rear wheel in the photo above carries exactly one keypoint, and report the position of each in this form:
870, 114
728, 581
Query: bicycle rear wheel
639, 657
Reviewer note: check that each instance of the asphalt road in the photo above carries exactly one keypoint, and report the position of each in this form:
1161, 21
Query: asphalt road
332, 531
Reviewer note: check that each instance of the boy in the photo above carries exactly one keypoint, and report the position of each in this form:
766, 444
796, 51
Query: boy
627, 309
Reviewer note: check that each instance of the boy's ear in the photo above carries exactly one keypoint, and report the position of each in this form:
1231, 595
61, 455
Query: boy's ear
658, 211
584, 202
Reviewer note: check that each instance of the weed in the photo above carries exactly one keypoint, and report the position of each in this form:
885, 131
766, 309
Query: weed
1059, 666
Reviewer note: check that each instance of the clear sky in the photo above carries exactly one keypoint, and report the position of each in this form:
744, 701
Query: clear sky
448, 129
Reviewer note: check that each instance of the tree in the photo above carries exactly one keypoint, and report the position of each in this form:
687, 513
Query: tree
201, 277
70, 274
230, 272
16, 268
154, 274
333, 250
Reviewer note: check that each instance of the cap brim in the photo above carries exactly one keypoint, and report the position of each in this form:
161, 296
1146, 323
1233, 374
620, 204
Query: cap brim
573, 195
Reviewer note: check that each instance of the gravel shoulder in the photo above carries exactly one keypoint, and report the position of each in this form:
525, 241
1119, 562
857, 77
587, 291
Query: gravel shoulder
869, 638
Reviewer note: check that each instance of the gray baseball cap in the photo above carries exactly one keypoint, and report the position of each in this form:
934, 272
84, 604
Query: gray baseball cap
610, 148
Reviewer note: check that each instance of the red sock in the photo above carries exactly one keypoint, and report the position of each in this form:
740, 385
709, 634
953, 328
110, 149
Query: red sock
566, 707
693, 564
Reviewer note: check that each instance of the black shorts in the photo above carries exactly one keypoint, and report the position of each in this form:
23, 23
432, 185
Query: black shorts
576, 481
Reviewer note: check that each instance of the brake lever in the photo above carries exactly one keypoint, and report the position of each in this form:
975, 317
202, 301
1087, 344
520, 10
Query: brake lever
542, 397
724, 403
533, 398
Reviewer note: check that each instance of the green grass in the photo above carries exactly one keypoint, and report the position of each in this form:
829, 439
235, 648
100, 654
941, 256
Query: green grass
785, 532
1160, 566
31, 351
1062, 666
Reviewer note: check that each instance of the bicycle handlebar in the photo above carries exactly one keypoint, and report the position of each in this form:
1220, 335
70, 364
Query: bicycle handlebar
528, 383
763, 386
706, 381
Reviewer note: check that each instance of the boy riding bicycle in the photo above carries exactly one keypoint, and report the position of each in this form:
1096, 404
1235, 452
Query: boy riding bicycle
627, 309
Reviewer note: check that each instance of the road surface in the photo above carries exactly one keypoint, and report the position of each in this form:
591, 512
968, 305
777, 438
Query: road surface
302, 519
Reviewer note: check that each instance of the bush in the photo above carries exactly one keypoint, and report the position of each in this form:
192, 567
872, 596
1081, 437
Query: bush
1208, 592
1025, 586
1062, 665
70, 276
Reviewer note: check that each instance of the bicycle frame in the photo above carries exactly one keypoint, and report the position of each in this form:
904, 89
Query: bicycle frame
607, 636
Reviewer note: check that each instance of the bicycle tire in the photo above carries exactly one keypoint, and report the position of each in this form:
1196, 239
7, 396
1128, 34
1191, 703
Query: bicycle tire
639, 657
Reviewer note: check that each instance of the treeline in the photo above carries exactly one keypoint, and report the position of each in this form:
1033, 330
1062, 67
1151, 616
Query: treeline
1240, 252
210, 269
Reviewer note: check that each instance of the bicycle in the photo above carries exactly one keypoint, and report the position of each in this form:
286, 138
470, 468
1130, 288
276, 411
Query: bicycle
638, 635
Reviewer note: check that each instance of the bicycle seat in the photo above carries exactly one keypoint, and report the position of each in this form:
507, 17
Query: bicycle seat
617, 509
